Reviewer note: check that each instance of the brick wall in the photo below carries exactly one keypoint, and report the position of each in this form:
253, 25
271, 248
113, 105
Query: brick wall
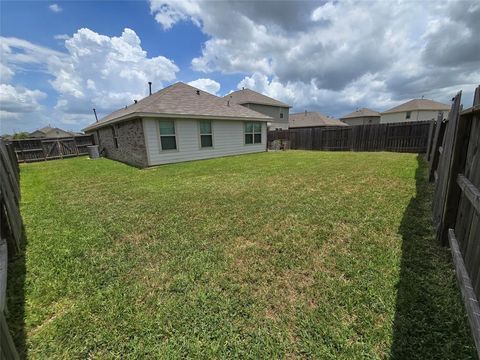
131, 142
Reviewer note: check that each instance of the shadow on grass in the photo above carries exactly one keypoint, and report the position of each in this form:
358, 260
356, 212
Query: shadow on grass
430, 321
16, 299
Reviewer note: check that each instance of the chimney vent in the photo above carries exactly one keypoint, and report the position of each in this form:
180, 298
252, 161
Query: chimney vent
150, 87
305, 112
243, 88
198, 92
95, 112
135, 101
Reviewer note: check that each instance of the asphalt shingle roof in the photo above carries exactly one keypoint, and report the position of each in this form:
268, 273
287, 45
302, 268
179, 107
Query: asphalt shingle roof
418, 104
363, 112
184, 100
247, 96
310, 119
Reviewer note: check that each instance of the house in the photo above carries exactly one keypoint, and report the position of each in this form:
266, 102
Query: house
49, 132
311, 119
179, 123
414, 110
262, 104
363, 116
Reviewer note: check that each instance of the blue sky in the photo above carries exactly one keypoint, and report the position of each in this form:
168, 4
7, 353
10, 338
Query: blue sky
60, 59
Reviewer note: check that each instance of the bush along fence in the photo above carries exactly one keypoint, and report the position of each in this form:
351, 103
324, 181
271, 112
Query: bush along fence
11, 235
398, 137
454, 160
29, 150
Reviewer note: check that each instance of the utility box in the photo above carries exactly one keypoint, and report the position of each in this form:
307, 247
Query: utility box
93, 152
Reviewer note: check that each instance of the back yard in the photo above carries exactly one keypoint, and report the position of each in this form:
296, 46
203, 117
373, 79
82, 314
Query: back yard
296, 254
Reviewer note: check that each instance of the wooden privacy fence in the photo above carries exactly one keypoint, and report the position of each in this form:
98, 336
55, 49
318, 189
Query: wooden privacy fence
454, 162
11, 235
29, 150
399, 137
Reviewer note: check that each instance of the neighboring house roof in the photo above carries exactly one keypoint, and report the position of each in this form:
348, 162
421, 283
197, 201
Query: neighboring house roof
418, 104
50, 132
181, 100
363, 112
247, 96
311, 119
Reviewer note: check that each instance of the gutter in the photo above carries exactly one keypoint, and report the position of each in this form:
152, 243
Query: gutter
136, 115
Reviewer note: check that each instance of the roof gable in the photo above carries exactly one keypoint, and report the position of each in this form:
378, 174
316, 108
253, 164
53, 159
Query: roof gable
247, 96
181, 99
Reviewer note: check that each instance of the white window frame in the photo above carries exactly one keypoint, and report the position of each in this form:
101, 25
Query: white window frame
200, 135
159, 135
253, 132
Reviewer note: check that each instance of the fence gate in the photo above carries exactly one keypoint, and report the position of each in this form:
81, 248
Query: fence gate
29, 150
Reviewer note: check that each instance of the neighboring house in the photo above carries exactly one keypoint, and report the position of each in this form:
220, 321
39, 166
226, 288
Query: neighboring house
414, 110
179, 123
263, 104
310, 119
49, 132
361, 116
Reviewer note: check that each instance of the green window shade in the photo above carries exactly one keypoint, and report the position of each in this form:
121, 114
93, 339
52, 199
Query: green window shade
248, 127
206, 140
167, 127
205, 127
257, 127
168, 142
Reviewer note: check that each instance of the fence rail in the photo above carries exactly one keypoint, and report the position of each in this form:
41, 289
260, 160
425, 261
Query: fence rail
454, 161
398, 137
11, 235
29, 150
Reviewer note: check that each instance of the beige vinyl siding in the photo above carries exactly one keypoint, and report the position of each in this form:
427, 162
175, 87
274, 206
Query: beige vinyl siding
274, 113
228, 139
422, 115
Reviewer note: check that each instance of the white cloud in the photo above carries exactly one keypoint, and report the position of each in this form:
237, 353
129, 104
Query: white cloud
15, 100
106, 72
6, 74
96, 71
339, 54
55, 8
207, 85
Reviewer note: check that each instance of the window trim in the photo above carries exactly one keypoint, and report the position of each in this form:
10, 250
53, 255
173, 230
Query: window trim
253, 133
159, 136
200, 135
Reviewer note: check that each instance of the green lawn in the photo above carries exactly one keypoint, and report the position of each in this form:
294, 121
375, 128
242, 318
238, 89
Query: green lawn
273, 255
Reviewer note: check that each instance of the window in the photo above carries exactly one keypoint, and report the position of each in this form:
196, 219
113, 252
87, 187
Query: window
281, 115
408, 115
253, 133
115, 135
168, 140
206, 137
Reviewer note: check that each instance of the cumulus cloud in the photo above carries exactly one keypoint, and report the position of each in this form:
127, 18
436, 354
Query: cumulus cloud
106, 72
207, 85
55, 8
329, 50
95, 71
